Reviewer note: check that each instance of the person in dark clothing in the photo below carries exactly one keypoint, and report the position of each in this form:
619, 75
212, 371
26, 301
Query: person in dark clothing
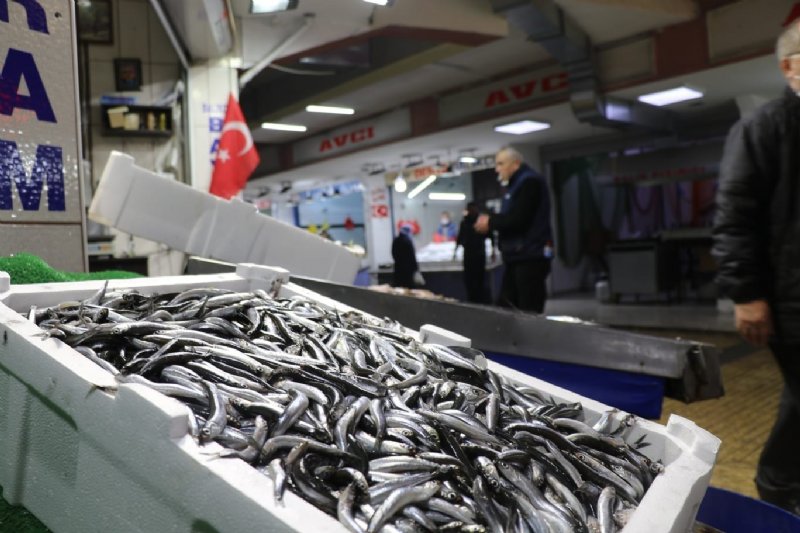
757, 244
406, 270
474, 245
525, 238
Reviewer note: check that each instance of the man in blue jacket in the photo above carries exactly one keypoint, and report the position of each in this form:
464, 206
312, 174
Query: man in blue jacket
757, 243
525, 238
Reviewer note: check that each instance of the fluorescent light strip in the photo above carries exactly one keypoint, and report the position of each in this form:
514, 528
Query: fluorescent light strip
282, 127
330, 109
469, 160
377, 2
270, 6
422, 186
671, 96
522, 127
448, 196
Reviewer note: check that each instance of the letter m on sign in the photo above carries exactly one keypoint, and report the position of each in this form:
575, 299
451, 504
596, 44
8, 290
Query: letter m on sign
48, 168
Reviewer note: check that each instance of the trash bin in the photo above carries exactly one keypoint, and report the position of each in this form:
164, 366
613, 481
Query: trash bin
734, 513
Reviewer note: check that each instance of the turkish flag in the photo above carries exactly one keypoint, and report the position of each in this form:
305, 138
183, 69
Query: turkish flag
237, 157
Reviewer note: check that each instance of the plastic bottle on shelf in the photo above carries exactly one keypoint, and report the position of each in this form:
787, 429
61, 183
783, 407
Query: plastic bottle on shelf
548, 250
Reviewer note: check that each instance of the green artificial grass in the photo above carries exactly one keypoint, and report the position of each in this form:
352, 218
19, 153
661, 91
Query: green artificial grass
27, 268
18, 520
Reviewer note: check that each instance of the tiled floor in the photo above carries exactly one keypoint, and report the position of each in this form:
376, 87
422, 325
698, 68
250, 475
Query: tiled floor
742, 418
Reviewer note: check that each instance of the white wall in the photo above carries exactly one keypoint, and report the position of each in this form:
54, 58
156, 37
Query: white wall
137, 34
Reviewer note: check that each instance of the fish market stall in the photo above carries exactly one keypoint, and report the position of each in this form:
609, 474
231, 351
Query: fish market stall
232, 401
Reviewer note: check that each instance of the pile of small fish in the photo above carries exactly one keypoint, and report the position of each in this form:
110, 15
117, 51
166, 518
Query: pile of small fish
359, 418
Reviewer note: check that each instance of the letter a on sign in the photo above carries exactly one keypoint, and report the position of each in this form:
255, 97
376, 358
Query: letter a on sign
20, 65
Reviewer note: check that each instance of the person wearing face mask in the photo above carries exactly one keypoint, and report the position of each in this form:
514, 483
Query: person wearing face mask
446, 231
524, 234
757, 245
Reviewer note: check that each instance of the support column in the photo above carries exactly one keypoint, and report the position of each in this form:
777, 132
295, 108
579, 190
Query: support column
209, 85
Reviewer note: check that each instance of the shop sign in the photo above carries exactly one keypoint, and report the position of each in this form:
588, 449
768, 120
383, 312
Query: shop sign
383, 128
39, 174
378, 221
525, 88
380, 211
697, 162
419, 173
346, 139
665, 174
41, 202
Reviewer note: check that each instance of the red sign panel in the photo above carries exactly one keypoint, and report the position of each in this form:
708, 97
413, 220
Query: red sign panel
542, 84
380, 211
347, 139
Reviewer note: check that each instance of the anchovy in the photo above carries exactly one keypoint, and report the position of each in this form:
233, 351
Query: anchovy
399, 499
293, 412
605, 510
358, 417
217, 421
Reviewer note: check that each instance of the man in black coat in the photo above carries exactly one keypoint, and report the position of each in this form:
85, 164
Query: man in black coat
757, 244
405, 259
474, 245
525, 237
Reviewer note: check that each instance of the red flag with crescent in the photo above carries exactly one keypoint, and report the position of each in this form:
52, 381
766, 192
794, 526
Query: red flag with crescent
237, 156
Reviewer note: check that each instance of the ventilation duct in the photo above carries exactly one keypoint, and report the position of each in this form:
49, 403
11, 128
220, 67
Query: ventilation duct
202, 27
545, 23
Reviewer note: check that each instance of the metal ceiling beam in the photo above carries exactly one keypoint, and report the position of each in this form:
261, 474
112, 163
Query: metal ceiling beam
545, 23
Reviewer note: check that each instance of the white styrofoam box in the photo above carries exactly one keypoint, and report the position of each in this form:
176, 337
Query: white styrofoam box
142, 203
83, 457
166, 263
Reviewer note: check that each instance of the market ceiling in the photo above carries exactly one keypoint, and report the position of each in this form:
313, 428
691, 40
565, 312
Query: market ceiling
375, 59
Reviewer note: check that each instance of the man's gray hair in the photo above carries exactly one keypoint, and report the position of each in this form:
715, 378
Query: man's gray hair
789, 41
513, 153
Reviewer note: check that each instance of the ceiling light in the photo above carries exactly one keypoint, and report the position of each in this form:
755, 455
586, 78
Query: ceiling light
422, 186
400, 184
330, 109
259, 7
671, 96
522, 127
378, 2
282, 127
468, 160
448, 196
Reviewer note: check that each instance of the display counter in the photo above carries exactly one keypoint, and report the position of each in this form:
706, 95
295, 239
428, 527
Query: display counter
446, 278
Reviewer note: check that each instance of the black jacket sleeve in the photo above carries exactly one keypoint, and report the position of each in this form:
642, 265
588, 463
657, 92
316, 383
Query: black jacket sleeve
741, 224
522, 209
462, 232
